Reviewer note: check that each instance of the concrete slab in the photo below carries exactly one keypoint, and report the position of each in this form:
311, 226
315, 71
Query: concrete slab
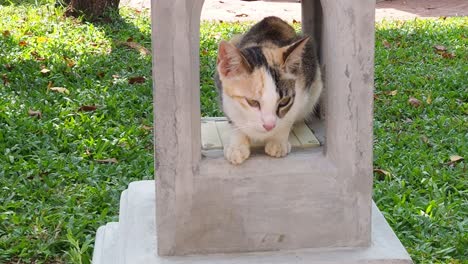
140, 238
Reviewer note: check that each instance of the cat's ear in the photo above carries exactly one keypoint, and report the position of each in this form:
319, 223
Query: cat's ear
231, 62
292, 55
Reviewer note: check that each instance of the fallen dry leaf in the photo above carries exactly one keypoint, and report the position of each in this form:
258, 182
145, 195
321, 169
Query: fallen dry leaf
424, 139
448, 55
382, 172
59, 90
5, 79
6, 33
242, 15
137, 46
136, 79
100, 74
70, 63
36, 56
440, 48
414, 102
108, 161
87, 108
144, 127
455, 158
386, 44
429, 99
37, 114
45, 71
22, 43
392, 93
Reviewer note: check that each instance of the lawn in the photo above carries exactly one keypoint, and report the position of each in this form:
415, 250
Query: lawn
76, 128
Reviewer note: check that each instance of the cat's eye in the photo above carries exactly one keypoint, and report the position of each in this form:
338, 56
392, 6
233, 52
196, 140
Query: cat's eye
253, 103
284, 102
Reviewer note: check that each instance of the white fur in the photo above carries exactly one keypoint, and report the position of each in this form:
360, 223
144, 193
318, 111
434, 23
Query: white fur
249, 122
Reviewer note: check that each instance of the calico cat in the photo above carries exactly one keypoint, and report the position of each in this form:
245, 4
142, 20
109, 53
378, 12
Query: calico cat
268, 79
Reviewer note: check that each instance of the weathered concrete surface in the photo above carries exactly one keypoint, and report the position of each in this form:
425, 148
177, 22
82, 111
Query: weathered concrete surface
236, 10
267, 203
136, 242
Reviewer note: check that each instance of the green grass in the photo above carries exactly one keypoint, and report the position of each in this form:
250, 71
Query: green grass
55, 192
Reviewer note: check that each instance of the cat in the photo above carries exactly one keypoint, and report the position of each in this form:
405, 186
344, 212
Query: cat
268, 79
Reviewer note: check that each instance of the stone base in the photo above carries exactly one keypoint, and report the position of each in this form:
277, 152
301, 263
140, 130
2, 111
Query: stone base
132, 240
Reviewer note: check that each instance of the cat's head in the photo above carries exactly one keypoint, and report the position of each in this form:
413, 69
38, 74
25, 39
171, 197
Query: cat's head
259, 83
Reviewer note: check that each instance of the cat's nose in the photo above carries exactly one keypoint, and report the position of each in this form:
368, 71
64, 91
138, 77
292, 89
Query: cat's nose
269, 126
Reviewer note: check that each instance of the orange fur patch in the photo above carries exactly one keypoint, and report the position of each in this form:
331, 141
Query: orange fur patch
250, 86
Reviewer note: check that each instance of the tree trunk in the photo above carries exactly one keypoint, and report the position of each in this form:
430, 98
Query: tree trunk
93, 9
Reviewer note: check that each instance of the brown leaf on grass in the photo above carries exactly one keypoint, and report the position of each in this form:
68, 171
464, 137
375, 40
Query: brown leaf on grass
34, 113
386, 44
100, 74
383, 173
45, 71
442, 51
136, 79
242, 15
447, 55
426, 140
429, 100
36, 56
6, 33
5, 79
137, 46
130, 39
59, 90
456, 158
8, 67
22, 43
440, 48
70, 63
414, 102
107, 161
392, 93
145, 127
87, 108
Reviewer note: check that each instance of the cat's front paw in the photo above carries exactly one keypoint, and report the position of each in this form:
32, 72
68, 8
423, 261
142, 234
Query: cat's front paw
236, 154
277, 149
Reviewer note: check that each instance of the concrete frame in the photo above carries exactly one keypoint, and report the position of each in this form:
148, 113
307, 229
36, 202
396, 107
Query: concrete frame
319, 198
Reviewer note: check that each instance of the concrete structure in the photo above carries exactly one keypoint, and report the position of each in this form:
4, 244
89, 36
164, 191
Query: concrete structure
317, 199
132, 240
